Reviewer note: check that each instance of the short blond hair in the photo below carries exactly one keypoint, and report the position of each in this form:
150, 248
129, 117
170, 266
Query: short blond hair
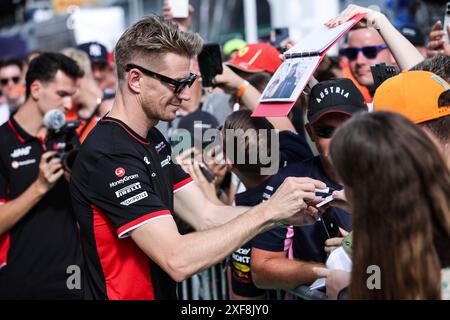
150, 37
81, 58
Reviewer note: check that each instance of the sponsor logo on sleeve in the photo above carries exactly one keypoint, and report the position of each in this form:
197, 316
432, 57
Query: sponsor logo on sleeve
21, 152
265, 196
123, 180
160, 146
166, 161
128, 189
120, 172
135, 198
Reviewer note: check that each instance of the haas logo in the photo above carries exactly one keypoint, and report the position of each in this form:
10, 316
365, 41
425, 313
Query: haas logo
120, 172
21, 152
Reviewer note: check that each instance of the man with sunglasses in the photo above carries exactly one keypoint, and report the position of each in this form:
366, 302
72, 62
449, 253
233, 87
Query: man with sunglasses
376, 42
125, 186
331, 104
365, 48
11, 84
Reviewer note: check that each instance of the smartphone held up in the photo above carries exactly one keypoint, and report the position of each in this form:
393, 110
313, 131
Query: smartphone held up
210, 62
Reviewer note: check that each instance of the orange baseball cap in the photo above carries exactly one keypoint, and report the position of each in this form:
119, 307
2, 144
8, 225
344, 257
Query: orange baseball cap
257, 57
418, 95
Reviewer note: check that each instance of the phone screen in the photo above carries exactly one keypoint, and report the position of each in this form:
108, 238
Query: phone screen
210, 62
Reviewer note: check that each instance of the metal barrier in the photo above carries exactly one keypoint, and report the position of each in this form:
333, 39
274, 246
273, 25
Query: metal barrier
210, 284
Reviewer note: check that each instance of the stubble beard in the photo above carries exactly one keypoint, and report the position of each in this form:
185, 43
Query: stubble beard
150, 110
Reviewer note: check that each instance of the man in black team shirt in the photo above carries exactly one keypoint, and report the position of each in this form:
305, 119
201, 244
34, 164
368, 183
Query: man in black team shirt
39, 244
125, 186
283, 258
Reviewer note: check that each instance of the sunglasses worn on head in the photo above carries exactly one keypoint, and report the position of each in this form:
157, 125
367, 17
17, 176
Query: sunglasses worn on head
370, 52
5, 81
179, 85
324, 131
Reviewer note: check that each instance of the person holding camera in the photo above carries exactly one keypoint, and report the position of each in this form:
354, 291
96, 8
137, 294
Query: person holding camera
39, 242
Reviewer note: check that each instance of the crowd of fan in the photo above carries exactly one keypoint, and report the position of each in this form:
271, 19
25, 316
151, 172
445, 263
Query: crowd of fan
385, 152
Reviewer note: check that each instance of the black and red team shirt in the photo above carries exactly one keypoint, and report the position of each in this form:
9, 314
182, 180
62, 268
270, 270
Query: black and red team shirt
121, 181
36, 253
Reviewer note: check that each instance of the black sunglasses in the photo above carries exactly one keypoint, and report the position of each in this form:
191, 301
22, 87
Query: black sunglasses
4, 81
324, 131
179, 85
370, 52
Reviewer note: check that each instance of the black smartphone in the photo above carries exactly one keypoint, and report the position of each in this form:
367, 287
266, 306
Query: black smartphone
330, 225
278, 35
210, 62
381, 72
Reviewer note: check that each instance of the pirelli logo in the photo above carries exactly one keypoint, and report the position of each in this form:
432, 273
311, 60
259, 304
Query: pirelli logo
128, 189
135, 198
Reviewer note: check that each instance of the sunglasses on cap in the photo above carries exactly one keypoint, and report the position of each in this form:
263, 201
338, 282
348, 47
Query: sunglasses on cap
5, 81
370, 52
324, 131
179, 85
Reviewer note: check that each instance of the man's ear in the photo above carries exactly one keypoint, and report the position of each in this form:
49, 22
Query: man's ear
309, 130
35, 87
134, 81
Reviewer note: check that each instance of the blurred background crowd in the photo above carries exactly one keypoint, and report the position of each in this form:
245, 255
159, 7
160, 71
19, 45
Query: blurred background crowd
253, 34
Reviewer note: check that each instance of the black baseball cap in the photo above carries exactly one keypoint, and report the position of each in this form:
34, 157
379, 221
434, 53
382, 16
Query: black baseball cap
198, 121
96, 51
414, 35
335, 96
205, 120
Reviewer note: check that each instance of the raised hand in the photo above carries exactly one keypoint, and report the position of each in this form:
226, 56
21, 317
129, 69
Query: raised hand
293, 201
372, 18
436, 44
